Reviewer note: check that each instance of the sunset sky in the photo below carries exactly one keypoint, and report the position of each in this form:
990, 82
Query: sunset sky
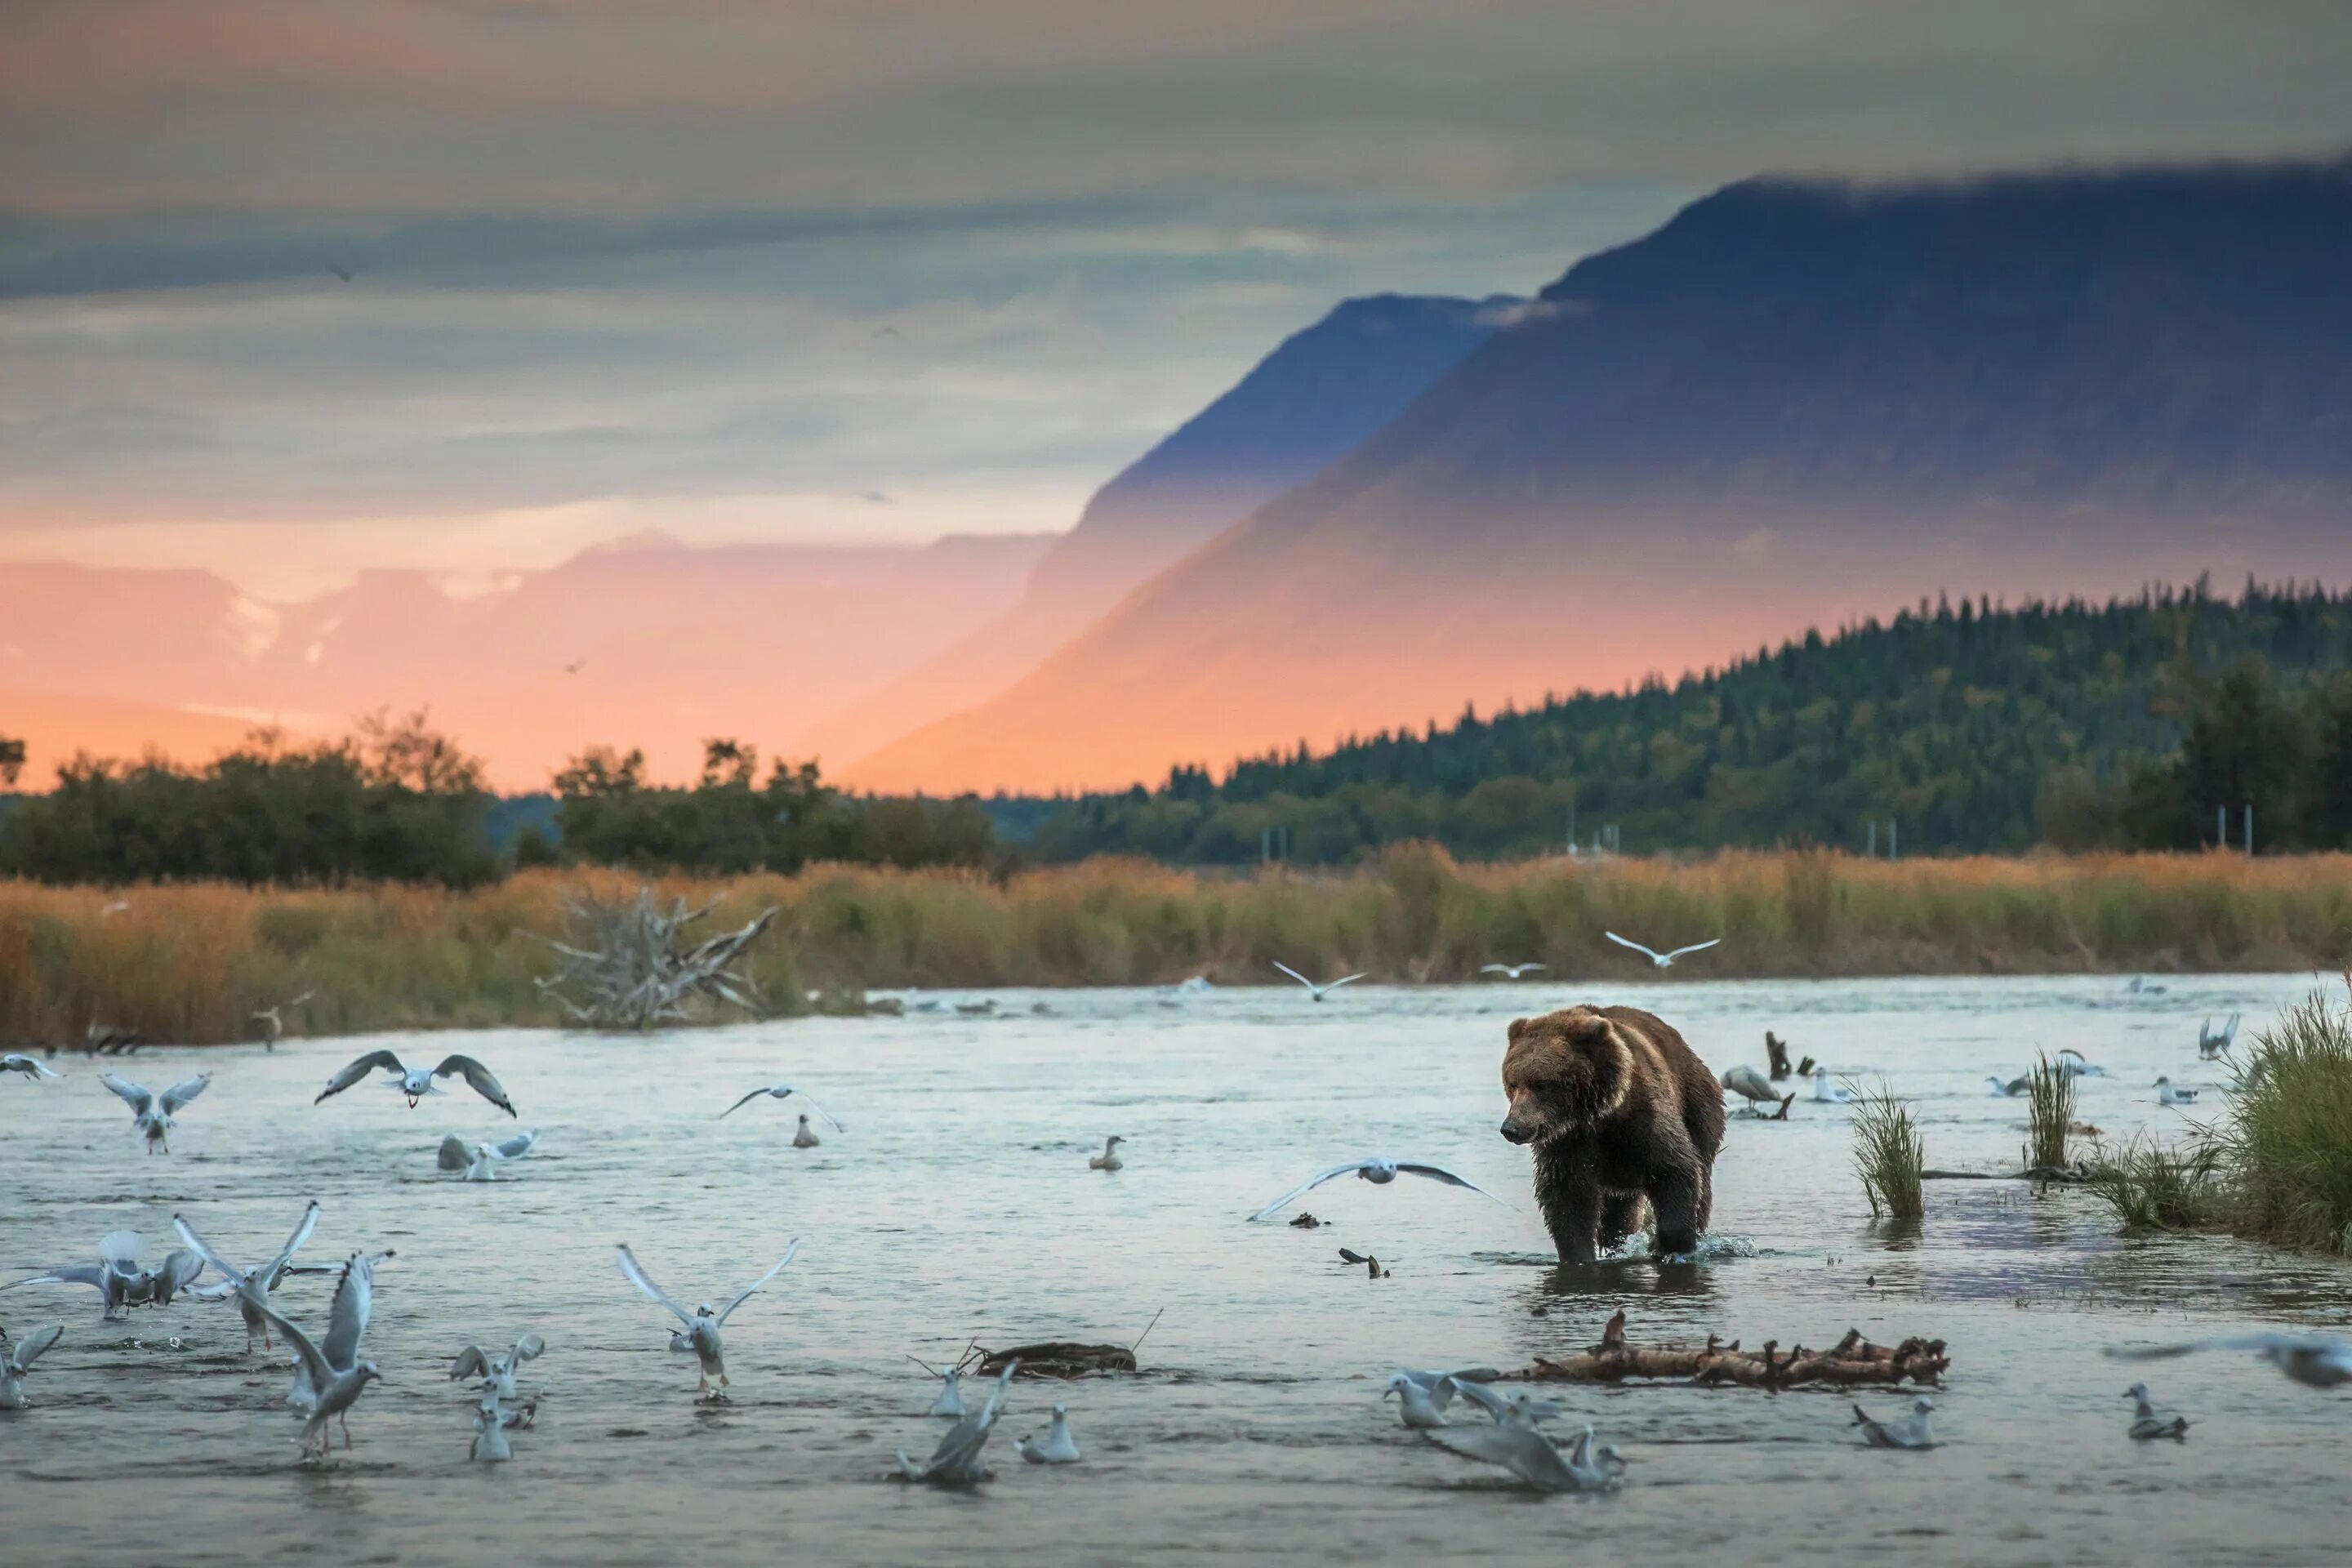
884, 268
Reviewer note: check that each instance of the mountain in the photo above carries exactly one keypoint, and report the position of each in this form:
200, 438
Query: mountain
643, 643
1320, 392
1973, 728
1796, 402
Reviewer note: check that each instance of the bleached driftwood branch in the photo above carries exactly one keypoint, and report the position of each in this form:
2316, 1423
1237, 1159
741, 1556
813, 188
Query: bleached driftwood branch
624, 967
1851, 1361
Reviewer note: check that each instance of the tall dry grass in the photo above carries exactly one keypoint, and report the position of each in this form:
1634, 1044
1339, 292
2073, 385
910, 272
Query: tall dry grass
191, 962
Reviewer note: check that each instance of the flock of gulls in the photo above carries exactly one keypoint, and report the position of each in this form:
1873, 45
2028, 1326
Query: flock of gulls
332, 1371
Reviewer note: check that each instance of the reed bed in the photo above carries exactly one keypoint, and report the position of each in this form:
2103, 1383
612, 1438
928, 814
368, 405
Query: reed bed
1889, 1155
2151, 1187
191, 962
2049, 1111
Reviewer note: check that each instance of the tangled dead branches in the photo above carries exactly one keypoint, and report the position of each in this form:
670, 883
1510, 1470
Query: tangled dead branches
626, 966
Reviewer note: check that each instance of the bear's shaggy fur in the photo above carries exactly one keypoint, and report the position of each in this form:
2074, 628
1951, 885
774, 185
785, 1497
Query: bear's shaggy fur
1620, 1111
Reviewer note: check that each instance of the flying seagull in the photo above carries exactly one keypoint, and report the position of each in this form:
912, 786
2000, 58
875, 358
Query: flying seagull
1054, 1446
956, 1462
121, 1280
2148, 1422
29, 1066
2315, 1361
1912, 1431
780, 1091
251, 1287
488, 1157
417, 1082
334, 1371
1510, 971
1517, 1408
16, 1360
1379, 1172
304, 1394
1528, 1455
699, 1330
272, 1022
152, 1113
2074, 1064
496, 1373
1317, 992
2213, 1043
1663, 960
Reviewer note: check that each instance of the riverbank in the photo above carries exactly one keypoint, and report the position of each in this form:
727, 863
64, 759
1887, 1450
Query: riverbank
192, 964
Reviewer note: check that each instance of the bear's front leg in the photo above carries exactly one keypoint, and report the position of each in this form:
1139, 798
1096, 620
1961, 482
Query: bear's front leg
1621, 1216
1568, 1192
1676, 1198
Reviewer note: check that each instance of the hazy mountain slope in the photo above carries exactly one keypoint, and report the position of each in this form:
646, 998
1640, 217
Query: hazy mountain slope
1794, 404
1320, 392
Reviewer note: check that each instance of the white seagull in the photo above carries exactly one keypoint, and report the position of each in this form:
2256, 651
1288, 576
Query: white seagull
251, 1287
2166, 1094
2074, 1064
1750, 1084
700, 1328
1415, 1408
1663, 960
2013, 1088
335, 1373
805, 1136
956, 1462
1826, 1092
1912, 1431
31, 1067
1054, 1446
488, 1157
782, 1092
16, 1360
496, 1373
119, 1277
948, 1406
1440, 1386
2148, 1422
1517, 1408
152, 1113
1109, 1159
489, 1445
417, 1082
2315, 1361
1317, 992
1379, 1172
1525, 1452
1510, 971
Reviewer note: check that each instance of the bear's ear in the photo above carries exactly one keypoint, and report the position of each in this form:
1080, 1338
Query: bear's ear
1520, 1027
1587, 1027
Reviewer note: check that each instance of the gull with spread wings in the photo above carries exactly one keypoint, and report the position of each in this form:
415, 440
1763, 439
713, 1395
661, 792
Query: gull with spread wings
152, 1113
417, 1082
1379, 1172
1663, 960
1316, 992
333, 1373
781, 1091
251, 1287
699, 1329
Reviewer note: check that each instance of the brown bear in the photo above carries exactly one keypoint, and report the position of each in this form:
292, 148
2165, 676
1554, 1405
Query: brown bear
1620, 1111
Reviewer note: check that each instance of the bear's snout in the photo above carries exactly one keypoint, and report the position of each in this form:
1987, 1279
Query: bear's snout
1517, 1130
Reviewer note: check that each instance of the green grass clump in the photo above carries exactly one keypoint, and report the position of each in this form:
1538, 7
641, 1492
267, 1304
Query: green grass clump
1889, 1155
2154, 1188
2049, 1111
2287, 1144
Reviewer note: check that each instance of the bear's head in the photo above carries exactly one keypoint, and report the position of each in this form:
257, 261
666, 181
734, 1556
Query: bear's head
1564, 1071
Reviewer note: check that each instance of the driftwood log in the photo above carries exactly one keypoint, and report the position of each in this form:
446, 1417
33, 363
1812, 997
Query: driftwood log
627, 965
1061, 1358
1852, 1362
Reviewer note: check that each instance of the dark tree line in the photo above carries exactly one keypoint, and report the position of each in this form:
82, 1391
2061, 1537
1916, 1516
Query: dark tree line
1973, 727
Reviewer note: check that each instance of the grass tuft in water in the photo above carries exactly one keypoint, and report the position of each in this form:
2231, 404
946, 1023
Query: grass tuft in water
2287, 1144
2151, 1187
2049, 1111
1889, 1155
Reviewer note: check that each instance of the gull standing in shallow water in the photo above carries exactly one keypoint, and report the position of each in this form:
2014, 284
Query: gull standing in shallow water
488, 1157
1316, 992
2148, 1422
2315, 1361
1415, 1408
1826, 1092
1379, 1172
805, 1136
31, 1067
956, 1461
152, 1113
949, 1403
782, 1092
1749, 1084
701, 1330
417, 1082
1663, 960
1912, 1431
251, 1287
334, 1371
1054, 1446
16, 1360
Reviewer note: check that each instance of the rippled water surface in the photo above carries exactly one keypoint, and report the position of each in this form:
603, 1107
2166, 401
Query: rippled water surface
957, 1207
